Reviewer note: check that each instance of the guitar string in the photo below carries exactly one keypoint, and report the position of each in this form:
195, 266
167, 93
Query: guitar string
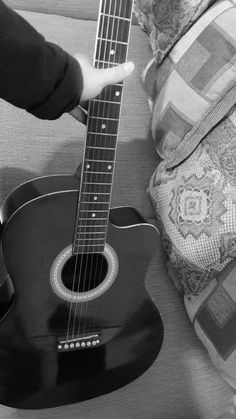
84, 256
95, 255
108, 97
88, 273
115, 40
101, 110
78, 232
81, 306
119, 15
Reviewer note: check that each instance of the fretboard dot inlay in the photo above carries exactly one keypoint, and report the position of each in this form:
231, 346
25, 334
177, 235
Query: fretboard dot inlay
103, 126
109, 167
95, 198
112, 52
88, 166
93, 215
117, 93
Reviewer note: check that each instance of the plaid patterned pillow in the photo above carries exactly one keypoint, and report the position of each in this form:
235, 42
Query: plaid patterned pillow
194, 87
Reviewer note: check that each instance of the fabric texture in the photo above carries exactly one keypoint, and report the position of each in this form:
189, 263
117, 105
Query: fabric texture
82, 9
190, 191
213, 314
193, 190
194, 87
195, 203
166, 21
35, 75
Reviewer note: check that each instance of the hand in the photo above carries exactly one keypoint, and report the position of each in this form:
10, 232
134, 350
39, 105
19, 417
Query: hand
94, 80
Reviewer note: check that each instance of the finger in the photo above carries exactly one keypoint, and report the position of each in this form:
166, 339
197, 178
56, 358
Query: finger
116, 74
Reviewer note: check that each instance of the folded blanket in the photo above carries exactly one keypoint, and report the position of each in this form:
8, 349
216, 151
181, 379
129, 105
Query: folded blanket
192, 94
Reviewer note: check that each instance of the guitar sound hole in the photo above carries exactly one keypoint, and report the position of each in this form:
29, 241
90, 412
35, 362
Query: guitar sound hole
85, 272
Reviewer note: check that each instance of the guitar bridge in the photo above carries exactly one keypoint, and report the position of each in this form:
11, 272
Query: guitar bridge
88, 341
66, 345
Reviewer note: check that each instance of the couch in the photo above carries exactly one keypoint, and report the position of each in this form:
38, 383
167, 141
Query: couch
182, 383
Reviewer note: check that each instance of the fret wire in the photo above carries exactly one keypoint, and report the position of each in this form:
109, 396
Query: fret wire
111, 51
114, 16
91, 219
103, 118
101, 148
100, 173
101, 141
93, 226
117, 8
89, 238
90, 245
91, 232
81, 210
93, 202
103, 174
108, 62
102, 108
89, 242
104, 161
101, 40
106, 101
113, 41
98, 183
114, 25
101, 133
96, 193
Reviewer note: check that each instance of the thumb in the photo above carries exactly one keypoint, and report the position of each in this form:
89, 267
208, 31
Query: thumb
116, 74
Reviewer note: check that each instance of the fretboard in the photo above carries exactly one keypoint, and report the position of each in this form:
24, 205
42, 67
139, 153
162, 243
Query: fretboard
111, 49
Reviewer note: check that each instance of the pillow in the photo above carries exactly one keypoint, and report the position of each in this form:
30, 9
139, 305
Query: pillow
194, 87
193, 190
166, 21
213, 314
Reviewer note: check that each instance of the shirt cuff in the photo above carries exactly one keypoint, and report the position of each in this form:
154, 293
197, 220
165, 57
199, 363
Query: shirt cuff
66, 95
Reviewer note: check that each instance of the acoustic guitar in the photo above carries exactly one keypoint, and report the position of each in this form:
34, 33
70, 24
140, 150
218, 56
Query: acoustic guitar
76, 319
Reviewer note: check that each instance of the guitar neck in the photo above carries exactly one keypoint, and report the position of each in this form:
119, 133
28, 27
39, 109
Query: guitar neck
111, 49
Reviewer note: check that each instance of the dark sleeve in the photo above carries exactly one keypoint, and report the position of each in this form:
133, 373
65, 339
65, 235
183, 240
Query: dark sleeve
35, 75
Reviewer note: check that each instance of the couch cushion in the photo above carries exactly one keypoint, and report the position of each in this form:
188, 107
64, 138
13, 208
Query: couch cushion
80, 9
31, 147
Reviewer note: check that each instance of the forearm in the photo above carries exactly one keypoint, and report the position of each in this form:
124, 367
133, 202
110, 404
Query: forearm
34, 74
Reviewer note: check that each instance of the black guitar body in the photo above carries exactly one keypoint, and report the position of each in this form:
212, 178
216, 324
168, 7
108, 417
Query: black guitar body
117, 332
